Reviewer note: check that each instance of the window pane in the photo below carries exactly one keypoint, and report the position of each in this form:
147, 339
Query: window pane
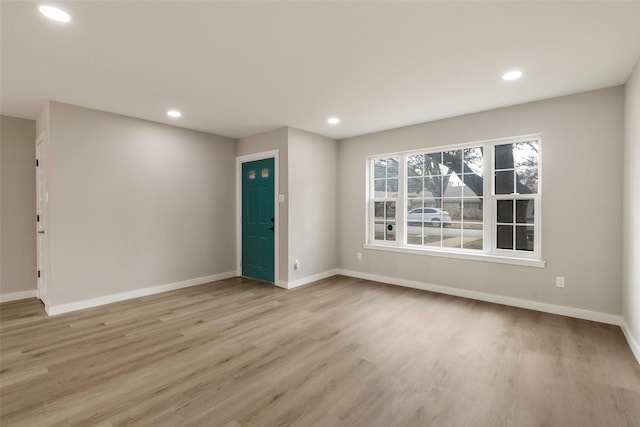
453, 191
391, 230
392, 167
378, 210
414, 213
433, 214
414, 235
527, 179
504, 182
505, 211
414, 187
434, 218
472, 234
524, 211
414, 222
472, 210
452, 235
505, 237
452, 210
504, 156
432, 236
524, 238
473, 161
380, 168
453, 161
430, 202
380, 186
392, 187
379, 230
434, 186
473, 185
433, 203
414, 204
473, 243
390, 210
415, 165
432, 163
526, 154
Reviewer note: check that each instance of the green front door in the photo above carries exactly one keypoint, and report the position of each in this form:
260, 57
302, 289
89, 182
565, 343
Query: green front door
258, 226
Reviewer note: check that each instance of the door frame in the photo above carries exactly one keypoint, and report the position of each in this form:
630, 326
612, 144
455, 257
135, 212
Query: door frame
271, 154
42, 287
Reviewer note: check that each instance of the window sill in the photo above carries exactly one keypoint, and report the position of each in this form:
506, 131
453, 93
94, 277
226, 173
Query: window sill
527, 262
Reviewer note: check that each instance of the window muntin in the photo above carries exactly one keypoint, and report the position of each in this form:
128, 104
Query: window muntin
478, 198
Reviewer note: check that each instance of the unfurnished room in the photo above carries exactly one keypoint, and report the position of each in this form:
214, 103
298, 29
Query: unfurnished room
320, 213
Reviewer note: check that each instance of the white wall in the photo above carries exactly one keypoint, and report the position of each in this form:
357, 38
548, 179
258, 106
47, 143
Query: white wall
135, 204
581, 202
313, 208
274, 140
631, 261
17, 207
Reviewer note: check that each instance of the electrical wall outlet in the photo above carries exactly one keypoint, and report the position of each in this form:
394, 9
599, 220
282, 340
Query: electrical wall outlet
560, 282
359, 256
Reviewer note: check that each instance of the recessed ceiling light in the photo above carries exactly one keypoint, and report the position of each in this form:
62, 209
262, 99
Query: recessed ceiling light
333, 120
54, 13
512, 75
174, 113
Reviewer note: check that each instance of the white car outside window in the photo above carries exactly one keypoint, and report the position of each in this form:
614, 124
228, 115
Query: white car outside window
430, 216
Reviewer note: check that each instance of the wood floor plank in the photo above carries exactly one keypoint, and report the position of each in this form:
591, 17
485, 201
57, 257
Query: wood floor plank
342, 352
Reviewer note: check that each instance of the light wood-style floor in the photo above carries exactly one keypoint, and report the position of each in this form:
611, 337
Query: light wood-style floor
342, 352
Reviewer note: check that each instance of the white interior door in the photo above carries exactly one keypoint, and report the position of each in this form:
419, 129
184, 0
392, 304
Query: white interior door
41, 211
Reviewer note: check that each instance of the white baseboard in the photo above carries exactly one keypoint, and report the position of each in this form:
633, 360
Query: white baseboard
14, 296
136, 293
307, 280
578, 313
635, 347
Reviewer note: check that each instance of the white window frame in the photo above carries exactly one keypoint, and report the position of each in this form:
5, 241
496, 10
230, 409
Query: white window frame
490, 252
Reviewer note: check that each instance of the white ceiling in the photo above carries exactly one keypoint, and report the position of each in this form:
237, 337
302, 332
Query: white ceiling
239, 68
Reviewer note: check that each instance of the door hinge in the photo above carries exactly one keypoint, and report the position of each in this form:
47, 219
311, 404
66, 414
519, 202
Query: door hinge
37, 163
38, 274
37, 218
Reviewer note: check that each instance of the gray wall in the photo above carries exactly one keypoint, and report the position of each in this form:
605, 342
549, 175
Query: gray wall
631, 272
274, 140
313, 209
17, 205
138, 204
581, 201
135, 204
